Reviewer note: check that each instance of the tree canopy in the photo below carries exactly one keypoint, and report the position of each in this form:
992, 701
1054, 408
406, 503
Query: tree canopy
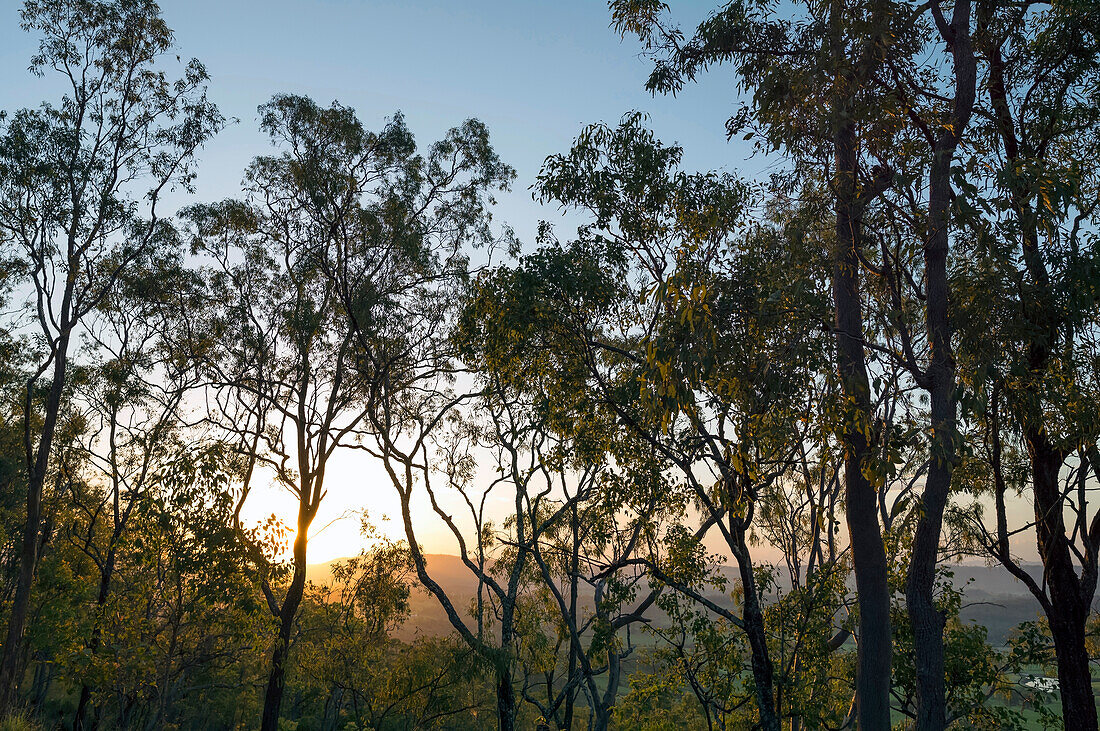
718, 454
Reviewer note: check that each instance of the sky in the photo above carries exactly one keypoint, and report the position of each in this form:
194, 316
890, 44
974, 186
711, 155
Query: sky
535, 72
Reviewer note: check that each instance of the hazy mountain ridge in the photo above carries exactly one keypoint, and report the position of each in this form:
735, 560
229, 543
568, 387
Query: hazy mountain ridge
992, 596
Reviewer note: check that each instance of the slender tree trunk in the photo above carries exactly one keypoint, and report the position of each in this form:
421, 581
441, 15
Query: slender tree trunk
506, 692
28, 560
332, 709
603, 705
165, 690
276, 680
37, 465
927, 620
1069, 610
79, 721
574, 569
506, 699
43, 679
762, 670
868, 551
82, 704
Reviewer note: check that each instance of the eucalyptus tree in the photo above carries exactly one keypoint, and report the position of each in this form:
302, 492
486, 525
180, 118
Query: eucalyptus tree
181, 616
82, 185
594, 504
192, 584
442, 465
131, 399
666, 317
811, 75
401, 275
908, 249
279, 341
335, 277
1029, 314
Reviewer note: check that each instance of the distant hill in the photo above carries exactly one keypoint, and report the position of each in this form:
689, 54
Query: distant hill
426, 616
996, 599
993, 597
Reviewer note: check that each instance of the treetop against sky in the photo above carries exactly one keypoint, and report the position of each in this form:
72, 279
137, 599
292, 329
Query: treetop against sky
730, 375
534, 72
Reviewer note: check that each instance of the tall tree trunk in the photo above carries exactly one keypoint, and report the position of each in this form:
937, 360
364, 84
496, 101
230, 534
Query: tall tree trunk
1069, 609
927, 620
762, 670
28, 560
276, 680
506, 698
1068, 605
506, 692
868, 551
37, 465
603, 705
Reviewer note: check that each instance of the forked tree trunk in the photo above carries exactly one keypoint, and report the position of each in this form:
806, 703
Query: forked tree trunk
927, 620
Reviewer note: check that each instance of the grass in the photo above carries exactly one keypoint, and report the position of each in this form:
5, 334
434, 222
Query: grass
19, 722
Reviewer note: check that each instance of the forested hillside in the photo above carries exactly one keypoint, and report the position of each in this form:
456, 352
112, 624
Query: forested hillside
815, 446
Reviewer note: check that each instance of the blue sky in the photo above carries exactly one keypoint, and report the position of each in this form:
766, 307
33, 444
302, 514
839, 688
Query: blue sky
535, 72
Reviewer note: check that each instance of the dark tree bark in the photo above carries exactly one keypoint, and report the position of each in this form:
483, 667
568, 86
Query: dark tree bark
1068, 608
67, 182
287, 613
941, 383
763, 671
1067, 597
38, 457
79, 720
506, 700
868, 551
